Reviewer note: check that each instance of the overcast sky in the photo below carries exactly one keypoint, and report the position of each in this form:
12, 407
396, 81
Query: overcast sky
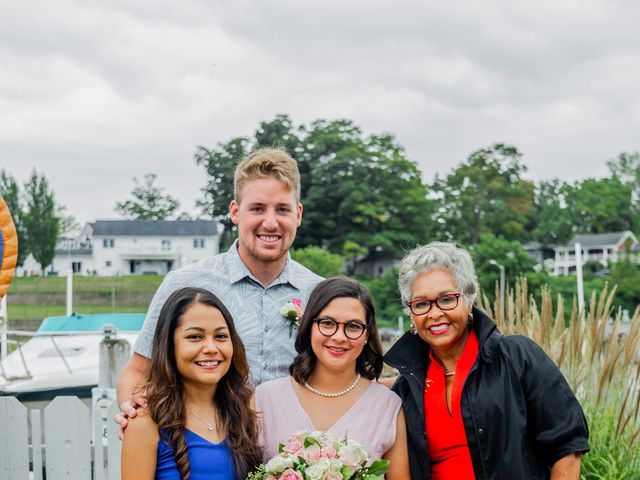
93, 93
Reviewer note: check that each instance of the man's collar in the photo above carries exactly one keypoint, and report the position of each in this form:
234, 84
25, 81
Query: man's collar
238, 270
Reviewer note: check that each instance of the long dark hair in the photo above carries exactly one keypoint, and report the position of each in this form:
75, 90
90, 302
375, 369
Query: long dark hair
165, 391
369, 363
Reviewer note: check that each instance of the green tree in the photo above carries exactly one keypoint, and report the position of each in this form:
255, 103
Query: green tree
508, 253
41, 221
10, 192
366, 192
384, 291
149, 201
486, 194
552, 223
627, 168
319, 261
626, 275
354, 188
601, 205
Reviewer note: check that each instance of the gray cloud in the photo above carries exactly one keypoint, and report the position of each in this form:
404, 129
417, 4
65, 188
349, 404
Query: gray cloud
95, 93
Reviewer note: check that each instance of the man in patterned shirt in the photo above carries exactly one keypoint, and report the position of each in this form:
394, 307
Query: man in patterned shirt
254, 279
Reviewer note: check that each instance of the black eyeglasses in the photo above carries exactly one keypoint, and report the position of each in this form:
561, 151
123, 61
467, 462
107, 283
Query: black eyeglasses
422, 306
353, 329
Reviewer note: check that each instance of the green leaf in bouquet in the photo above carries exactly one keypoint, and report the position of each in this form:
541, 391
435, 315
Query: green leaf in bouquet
280, 447
310, 441
346, 472
378, 468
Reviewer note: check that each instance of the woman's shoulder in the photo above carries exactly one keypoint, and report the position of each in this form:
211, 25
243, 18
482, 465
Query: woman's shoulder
526, 354
271, 391
520, 346
142, 420
142, 427
272, 385
380, 392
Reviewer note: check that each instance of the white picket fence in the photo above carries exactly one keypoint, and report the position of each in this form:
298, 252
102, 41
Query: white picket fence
68, 451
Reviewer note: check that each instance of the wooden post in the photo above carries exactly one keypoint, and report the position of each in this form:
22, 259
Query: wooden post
114, 354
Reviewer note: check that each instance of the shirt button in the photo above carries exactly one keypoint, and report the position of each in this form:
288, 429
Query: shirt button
480, 431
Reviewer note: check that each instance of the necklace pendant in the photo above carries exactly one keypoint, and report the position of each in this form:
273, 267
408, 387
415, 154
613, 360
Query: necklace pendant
209, 427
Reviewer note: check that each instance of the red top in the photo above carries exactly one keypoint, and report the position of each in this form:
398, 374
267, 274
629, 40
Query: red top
447, 441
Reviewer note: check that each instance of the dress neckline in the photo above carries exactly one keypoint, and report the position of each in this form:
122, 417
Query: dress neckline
219, 444
337, 422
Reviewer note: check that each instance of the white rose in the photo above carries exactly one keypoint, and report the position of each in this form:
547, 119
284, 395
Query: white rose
286, 308
335, 465
278, 464
314, 472
352, 454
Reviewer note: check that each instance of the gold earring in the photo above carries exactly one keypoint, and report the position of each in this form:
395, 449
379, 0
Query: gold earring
470, 319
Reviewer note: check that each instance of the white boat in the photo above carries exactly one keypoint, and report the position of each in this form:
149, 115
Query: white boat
61, 357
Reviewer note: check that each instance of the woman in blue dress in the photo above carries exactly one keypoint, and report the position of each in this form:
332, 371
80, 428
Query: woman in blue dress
199, 424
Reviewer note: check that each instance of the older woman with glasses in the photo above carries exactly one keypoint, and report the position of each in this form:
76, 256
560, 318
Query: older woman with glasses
332, 385
478, 405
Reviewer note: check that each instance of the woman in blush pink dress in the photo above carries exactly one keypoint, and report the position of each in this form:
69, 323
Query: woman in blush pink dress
332, 384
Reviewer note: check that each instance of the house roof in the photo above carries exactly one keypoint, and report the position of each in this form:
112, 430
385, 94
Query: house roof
119, 228
597, 239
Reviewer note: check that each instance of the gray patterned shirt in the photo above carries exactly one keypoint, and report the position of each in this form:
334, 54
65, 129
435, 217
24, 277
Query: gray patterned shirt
255, 309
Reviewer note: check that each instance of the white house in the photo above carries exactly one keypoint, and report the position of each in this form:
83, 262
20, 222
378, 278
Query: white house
595, 247
134, 247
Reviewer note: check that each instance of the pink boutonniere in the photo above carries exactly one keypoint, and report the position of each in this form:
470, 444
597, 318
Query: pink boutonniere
292, 311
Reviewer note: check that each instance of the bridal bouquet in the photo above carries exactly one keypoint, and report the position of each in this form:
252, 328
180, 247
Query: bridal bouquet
318, 456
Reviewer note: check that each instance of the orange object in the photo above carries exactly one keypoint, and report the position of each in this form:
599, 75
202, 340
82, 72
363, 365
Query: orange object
8, 247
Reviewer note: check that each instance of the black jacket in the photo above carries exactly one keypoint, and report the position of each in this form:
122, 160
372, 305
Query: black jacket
519, 413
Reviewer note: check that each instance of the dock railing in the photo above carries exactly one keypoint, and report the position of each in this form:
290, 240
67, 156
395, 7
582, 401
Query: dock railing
67, 440
77, 445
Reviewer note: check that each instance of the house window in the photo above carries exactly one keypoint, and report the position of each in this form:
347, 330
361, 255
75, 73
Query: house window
108, 242
166, 244
107, 263
76, 267
198, 243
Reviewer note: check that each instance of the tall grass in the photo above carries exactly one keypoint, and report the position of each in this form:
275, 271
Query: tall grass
601, 364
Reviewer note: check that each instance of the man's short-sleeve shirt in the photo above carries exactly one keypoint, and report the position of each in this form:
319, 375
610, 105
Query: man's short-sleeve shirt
255, 309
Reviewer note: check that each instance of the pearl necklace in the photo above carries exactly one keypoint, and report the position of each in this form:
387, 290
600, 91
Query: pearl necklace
210, 425
336, 394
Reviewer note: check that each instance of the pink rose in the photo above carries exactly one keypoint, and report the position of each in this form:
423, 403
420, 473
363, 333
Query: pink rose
290, 474
294, 447
332, 476
328, 452
297, 302
312, 453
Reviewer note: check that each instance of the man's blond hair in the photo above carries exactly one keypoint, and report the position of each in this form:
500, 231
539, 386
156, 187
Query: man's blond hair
265, 163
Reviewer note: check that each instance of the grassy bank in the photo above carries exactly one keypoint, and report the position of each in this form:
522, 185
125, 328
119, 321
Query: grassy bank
34, 298
131, 283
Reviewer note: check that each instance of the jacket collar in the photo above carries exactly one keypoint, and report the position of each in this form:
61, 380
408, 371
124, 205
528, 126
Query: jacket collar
411, 353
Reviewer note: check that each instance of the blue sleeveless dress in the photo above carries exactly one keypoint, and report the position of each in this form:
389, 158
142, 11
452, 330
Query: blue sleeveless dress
208, 461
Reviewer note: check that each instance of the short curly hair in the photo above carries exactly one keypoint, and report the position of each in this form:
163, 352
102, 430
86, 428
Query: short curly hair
435, 256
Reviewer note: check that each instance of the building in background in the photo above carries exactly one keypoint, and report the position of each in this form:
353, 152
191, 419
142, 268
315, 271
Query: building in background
132, 247
603, 248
